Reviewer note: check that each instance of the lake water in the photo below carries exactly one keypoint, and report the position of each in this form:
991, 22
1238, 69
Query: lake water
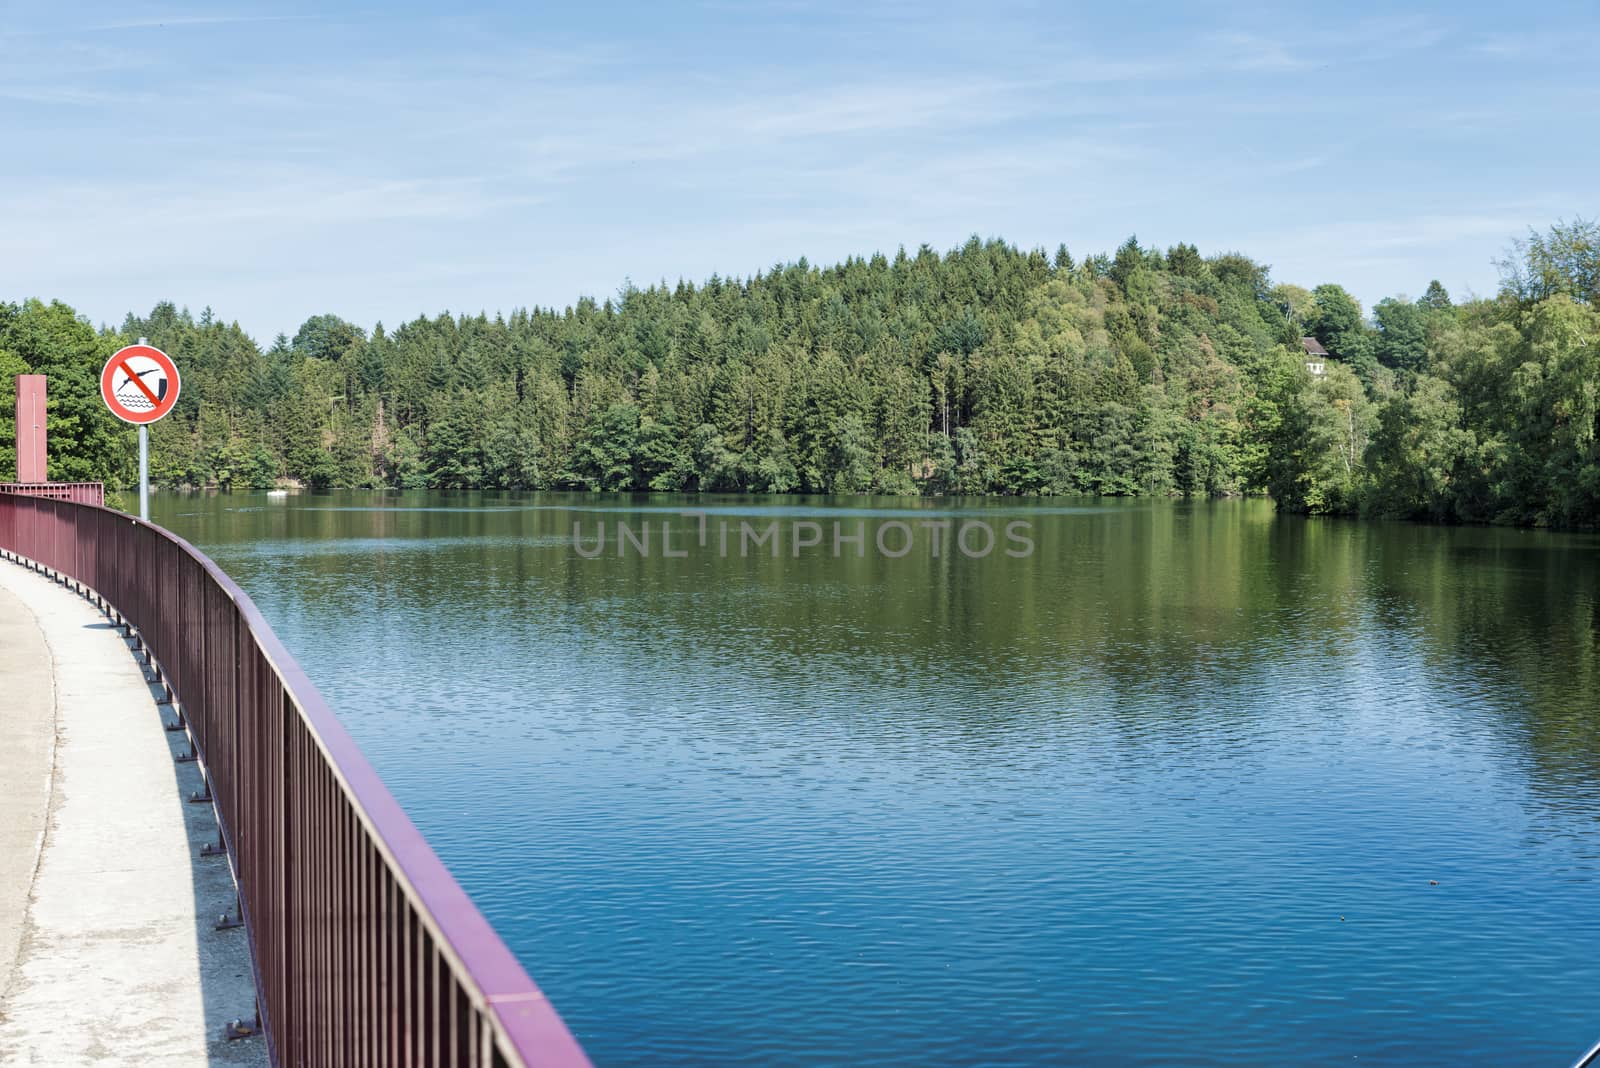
1173, 788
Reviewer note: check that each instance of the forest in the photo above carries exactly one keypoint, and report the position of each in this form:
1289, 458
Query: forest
984, 370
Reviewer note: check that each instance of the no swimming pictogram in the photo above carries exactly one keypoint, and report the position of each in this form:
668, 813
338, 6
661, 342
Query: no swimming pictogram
140, 384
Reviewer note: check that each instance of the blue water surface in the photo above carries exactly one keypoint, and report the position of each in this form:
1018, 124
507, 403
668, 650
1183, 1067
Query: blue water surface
1191, 784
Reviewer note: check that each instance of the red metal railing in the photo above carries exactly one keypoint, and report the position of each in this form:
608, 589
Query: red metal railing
81, 492
366, 950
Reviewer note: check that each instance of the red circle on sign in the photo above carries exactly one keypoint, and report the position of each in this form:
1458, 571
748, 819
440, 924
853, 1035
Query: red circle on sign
140, 384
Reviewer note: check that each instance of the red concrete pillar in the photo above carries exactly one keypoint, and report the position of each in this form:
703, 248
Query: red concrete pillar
30, 429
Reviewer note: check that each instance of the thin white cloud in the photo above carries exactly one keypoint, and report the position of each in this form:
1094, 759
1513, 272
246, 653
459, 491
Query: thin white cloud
1366, 237
1255, 52
72, 95
1543, 46
1300, 49
180, 21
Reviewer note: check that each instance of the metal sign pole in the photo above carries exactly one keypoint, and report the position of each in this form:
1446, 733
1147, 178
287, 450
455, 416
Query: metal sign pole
144, 473
144, 466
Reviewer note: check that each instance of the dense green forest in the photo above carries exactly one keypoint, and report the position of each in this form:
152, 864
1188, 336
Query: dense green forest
987, 370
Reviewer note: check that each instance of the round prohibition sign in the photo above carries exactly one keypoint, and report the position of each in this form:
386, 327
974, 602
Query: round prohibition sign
140, 384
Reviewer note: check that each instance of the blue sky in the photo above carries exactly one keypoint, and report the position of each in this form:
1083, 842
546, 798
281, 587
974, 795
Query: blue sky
381, 162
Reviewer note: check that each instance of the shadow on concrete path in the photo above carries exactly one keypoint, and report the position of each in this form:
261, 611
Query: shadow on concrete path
119, 959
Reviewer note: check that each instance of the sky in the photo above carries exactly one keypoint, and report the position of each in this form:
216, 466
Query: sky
381, 162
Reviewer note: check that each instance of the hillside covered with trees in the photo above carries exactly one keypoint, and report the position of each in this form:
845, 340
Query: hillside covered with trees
987, 370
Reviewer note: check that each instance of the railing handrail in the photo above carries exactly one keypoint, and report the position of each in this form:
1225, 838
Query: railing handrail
23, 487
526, 1021
82, 492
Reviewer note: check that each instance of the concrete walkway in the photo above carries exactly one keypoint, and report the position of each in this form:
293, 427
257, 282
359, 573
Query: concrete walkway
107, 950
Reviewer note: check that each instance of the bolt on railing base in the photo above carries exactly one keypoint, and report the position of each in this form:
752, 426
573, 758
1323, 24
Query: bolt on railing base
238, 1029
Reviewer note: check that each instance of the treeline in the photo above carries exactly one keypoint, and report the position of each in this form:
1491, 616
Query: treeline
987, 370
